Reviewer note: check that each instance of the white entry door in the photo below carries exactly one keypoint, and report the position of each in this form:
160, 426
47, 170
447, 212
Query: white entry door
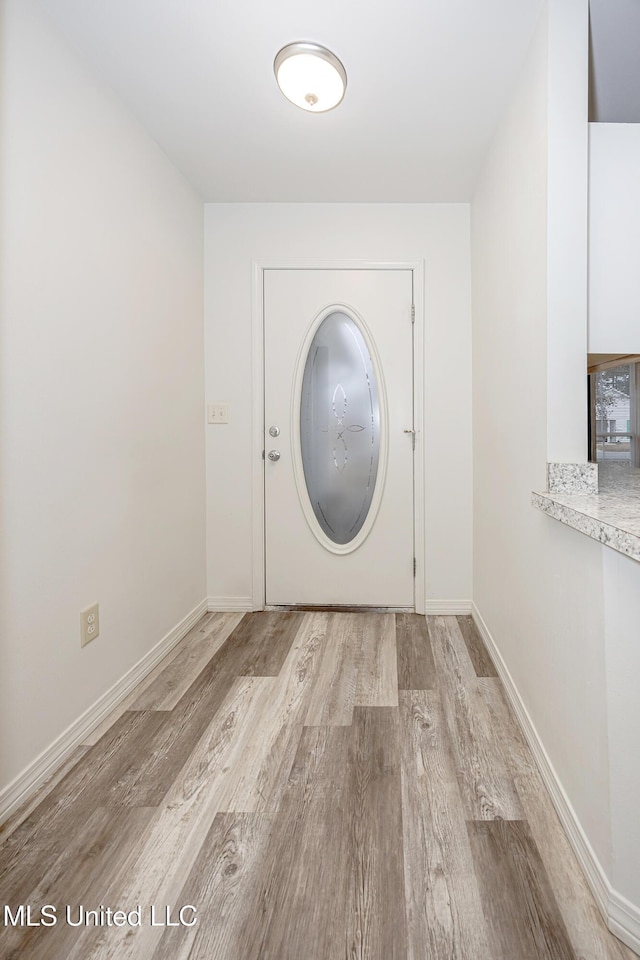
339, 508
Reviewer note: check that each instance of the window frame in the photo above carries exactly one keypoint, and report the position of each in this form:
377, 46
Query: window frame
633, 362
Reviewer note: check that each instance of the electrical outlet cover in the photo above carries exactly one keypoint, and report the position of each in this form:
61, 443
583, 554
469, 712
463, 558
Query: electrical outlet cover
89, 624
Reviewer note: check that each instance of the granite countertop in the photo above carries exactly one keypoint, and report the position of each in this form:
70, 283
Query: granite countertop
611, 516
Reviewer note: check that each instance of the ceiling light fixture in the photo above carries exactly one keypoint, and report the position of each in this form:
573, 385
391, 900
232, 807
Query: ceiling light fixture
310, 76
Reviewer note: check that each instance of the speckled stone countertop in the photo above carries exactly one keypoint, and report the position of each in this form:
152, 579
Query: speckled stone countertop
611, 516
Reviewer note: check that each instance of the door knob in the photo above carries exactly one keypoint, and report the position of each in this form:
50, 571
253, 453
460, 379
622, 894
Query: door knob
274, 455
274, 431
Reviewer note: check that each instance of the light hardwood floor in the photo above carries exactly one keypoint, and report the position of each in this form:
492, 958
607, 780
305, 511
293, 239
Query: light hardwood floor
319, 786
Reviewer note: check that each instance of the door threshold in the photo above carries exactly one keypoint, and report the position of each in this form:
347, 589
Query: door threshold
334, 608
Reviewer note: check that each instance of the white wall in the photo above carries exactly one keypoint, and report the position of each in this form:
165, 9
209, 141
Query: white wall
622, 617
614, 238
567, 186
614, 327
537, 583
102, 389
236, 234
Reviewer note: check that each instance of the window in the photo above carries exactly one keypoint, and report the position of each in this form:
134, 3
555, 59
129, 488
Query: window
614, 397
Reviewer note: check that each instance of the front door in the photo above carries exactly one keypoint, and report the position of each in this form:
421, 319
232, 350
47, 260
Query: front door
339, 511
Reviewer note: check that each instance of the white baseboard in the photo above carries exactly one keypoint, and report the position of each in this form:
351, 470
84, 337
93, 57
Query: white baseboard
230, 604
432, 608
624, 920
621, 916
447, 608
27, 782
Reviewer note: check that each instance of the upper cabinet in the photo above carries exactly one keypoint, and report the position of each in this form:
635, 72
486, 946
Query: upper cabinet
614, 177
614, 238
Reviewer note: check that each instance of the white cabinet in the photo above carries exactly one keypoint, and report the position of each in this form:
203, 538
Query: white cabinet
614, 238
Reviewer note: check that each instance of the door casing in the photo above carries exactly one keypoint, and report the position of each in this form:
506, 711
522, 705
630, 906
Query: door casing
257, 406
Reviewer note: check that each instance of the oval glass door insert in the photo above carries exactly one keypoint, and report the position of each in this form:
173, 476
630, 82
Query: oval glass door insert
340, 427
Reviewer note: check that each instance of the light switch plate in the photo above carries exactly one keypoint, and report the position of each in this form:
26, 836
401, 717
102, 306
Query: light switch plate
218, 413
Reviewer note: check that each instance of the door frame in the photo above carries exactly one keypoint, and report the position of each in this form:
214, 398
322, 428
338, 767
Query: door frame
258, 268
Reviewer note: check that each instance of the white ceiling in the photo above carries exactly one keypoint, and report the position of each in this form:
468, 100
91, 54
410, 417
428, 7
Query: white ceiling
427, 83
615, 65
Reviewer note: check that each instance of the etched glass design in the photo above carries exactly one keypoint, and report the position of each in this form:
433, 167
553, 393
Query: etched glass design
340, 427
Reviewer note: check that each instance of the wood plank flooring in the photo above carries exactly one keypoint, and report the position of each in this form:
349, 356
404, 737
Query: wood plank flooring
318, 786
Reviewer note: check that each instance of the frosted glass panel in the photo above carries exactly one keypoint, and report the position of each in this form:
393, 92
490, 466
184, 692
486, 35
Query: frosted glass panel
340, 427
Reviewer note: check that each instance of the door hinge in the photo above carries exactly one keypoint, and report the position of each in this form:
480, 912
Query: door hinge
414, 566
413, 313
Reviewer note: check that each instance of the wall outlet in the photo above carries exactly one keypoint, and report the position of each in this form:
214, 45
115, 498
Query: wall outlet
218, 413
89, 625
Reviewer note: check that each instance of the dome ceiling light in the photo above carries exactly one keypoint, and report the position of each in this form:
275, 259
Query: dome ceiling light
310, 76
